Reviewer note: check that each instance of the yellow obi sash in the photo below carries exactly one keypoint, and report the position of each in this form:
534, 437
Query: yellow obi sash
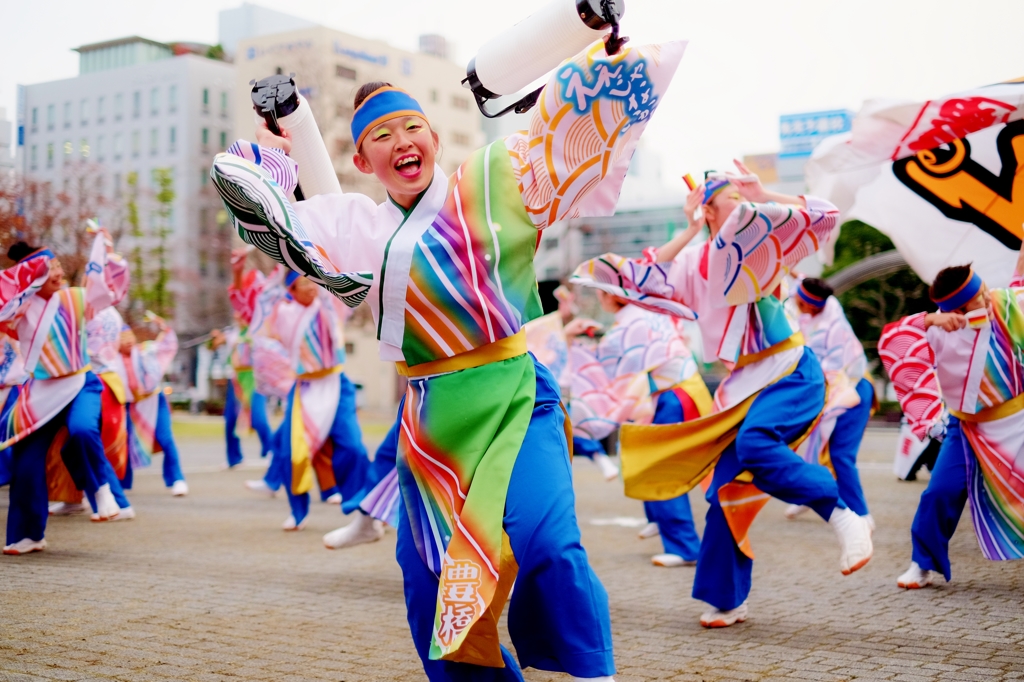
795, 341
113, 380
502, 349
321, 373
991, 414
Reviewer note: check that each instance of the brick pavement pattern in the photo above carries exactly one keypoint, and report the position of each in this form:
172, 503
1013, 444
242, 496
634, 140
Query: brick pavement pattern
208, 588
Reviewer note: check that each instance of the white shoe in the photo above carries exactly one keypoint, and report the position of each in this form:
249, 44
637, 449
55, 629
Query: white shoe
871, 522
795, 510
106, 505
25, 546
607, 467
915, 578
364, 529
651, 530
126, 514
671, 561
723, 619
333, 499
179, 489
289, 524
66, 508
855, 547
260, 486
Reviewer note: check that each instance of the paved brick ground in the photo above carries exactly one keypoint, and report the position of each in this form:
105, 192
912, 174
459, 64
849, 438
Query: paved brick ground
209, 588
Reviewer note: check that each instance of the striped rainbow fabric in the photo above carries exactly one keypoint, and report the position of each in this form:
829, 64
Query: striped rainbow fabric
65, 350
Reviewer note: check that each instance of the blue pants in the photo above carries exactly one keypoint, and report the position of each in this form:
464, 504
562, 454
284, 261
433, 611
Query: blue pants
587, 447
83, 455
844, 445
258, 419
382, 464
558, 612
348, 457
780, 414
164, 439
942, 503
674, 517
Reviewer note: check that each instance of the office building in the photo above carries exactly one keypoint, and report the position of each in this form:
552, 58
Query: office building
137, 108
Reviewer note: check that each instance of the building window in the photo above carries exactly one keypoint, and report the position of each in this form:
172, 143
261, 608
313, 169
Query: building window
203, 262
136, 142
118, 106
345, 72
49, 155
117, 184
35, 119
460, 102
172, 98
224, 104
204, 177
83, 148
100, 108
51, 116
205, 138
223, 140
99, 147
118, 145
551, 244
154, 101
34, 157
434, 96
172, 139
206, 100
83, 111
67, 114
461, 139
136, 104
68, 147
154, 141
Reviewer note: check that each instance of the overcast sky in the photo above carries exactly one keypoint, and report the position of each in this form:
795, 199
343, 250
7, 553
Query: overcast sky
748, 61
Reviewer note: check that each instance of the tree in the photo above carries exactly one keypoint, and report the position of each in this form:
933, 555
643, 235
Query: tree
873, 304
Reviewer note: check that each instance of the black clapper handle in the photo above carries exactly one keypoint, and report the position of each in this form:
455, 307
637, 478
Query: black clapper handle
272, 97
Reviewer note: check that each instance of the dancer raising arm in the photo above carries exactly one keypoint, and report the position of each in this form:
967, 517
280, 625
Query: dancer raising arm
775, 390
446, 266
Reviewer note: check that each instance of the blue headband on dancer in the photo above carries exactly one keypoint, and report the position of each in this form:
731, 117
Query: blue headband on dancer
40, 253
961, 296
382, 105
713, 185
810, 298
290, 278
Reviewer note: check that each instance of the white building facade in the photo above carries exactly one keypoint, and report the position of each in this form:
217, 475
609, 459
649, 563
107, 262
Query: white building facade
136, 108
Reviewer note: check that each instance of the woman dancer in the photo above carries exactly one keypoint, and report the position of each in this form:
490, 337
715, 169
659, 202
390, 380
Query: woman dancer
641, 371
447, 267
149, 422
245, 407
320, 432
775, 390
49, 318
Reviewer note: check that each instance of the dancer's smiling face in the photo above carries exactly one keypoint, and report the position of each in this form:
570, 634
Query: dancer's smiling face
401, 153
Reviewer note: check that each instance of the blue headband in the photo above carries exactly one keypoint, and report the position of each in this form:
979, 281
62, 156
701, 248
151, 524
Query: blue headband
713, 186
382, 105
290, 278
38, 254
810, 298
961, 296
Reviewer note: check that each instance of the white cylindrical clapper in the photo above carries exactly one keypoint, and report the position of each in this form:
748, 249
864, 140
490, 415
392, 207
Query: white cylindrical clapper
316, 172
536, 45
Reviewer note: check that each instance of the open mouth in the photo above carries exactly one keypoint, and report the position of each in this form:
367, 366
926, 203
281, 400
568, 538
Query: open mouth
409, 165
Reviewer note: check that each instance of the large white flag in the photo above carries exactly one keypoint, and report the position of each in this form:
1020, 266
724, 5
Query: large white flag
943, 179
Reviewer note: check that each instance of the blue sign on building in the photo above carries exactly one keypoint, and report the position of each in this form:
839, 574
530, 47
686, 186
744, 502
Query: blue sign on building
799, 134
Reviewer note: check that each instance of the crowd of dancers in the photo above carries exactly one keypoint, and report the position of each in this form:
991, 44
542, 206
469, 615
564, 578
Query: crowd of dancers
475, 472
